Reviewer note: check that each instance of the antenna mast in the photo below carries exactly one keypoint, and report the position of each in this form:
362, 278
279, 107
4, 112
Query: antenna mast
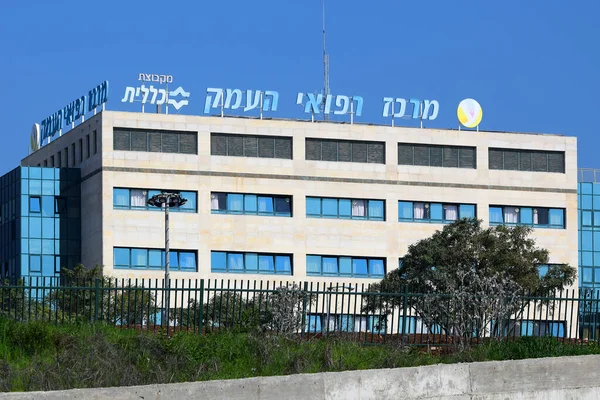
326, 91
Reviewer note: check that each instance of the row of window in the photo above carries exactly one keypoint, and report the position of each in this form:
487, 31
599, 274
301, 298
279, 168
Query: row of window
253, 204
345, 151
238, 145
249, 262
155, 141
134, 258
61, 159
413, 325
437, 156
325, 207
250, 146
433, 212
527, 160
137, 199
540, 217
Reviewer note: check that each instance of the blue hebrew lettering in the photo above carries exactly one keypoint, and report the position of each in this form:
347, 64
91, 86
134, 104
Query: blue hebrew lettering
402, 107
68, 113
338, 103
429, 104
359, 105
387, 102
271, 100
252, 102
102, 95
229, 96
79, 108
416, 108
327, 108
313, 103
210, 102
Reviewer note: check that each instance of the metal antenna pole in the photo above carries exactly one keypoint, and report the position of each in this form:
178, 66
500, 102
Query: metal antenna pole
326, 91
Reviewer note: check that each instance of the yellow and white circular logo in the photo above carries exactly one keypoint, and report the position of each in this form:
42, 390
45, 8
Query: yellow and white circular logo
469, 113
34, 138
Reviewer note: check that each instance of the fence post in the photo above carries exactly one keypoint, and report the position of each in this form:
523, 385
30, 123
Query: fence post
404, 304
96, 299
201, 308
303, 322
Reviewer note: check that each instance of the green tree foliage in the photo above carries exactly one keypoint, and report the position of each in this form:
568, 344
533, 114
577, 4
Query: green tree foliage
471, 276
87, 295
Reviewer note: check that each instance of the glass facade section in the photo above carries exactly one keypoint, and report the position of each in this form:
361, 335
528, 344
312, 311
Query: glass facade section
418, 211
251, 263
40, 221
589, 234
323, 207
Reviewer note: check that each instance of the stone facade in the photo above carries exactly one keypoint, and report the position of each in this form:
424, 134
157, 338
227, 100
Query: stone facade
104, 227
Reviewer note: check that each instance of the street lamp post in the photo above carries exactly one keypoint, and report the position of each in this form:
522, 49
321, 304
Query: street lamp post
167, 200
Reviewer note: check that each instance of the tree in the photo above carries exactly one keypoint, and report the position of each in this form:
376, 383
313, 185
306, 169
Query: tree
87, 295
471, 276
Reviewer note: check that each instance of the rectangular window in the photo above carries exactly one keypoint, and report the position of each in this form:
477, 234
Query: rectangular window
251, 204
95, 134
136, 199
527, 160
251, 263
66, 157
52, 161
222, 144
538, 217
87, 146
157, 141
59, 160
359, 267
73, 159
415, 211
80, 150
345, 151
318, 207
135, 258
35, 204
437, 156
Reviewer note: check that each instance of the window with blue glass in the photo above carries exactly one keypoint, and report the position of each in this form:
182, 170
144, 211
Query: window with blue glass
542, 328
324, 207
539, 217
418, 211
136, 258
251, 263
361, 267
136, 199
251, 204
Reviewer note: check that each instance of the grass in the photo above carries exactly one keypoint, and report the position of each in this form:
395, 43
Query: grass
41, 356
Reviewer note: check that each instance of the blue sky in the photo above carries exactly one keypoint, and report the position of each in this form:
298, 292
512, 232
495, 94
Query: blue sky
532, 65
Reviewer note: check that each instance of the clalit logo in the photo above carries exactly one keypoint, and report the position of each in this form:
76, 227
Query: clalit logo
469, 113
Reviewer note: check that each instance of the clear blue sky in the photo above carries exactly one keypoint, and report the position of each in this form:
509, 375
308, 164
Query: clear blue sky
533, 65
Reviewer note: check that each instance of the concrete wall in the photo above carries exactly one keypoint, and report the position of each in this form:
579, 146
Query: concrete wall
547, 379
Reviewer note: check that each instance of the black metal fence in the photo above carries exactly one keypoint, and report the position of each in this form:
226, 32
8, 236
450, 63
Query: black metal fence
305, 309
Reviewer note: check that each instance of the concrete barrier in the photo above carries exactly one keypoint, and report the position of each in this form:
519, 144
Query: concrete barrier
546, 378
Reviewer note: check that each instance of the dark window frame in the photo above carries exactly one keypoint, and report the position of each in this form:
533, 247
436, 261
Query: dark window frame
352, 150
526, 154
163, 146
248, 151
442, 157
